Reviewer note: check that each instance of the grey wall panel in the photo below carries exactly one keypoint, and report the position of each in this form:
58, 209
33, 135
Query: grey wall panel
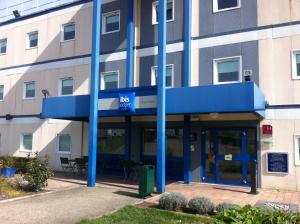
147, 62
149, 31
115, 41
248, 51
211, 23
116, 66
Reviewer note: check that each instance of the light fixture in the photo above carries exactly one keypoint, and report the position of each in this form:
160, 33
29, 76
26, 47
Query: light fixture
46, 93
16, 13
247, 75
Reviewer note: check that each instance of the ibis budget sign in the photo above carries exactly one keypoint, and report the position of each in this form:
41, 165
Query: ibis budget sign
127, 102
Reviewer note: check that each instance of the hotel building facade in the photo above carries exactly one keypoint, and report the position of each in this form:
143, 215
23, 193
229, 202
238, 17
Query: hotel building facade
202, 95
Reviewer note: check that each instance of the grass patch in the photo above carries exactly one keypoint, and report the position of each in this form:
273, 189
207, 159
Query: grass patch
138, 215
7, 189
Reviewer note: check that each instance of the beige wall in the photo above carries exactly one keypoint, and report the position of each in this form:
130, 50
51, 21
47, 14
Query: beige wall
281, 141
277, 11
49, 28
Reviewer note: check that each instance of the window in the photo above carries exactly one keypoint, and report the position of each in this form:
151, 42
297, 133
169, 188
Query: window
26, 142
66, 86
169, 75
297, 149
68, 32
174, 142
32, 39
227, 70
111, 141
111, 22
1, 92
64, 143
296, 65
110, 80
223, 5
29, 90
170, 11
3, 46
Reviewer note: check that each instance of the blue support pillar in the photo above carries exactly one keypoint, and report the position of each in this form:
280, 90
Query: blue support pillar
187, 83
161, 98
187, 149
130, 44
93, 119
127, 137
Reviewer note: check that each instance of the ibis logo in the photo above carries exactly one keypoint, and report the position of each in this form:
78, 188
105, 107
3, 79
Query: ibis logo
127, 102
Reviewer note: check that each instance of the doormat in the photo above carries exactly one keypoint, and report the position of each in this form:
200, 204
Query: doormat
277, 206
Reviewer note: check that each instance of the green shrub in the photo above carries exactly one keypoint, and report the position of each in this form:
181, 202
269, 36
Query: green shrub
7, 162
201, 205
255, 215
172, 201
223, 206
37, 173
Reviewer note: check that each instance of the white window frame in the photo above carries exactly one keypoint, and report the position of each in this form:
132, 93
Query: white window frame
4, 39
103, 74
104, 15
28, 40
21, 143
3, 92
215, 69
62, 36
216, 6
154, 19
296, 149
57, 144
60, 86
24, 90
153, 78
294, 64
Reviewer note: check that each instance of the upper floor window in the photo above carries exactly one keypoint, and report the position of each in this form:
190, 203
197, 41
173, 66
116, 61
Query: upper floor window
66, 86
1, 92
227, 70
29, 90
32, 39
297, 149
68, 32
296, 65
3, 46
64, 143
111, 22
169, 75
26, 142
223, 5
110, 80
155, 11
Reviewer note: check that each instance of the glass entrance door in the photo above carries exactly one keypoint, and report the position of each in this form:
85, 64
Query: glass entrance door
227, 155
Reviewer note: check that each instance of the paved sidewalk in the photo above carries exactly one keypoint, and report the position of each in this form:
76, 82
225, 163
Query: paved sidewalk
231, 194
66, 206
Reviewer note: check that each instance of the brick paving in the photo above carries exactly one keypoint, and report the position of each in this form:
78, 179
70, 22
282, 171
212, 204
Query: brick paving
231, 194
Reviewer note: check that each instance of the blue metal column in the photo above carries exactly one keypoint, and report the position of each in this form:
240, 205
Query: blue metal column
129, 71
93, 124
161, 97
130, 44
187, 83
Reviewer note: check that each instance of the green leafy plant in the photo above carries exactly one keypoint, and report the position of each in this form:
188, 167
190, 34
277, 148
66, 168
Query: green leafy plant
173, 201
37, 173
255, 215
201, 205
7, 162
223, 206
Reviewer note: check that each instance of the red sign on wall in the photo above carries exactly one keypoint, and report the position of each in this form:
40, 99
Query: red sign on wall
267, 129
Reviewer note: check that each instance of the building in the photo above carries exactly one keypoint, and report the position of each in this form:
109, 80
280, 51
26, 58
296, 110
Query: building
229, 96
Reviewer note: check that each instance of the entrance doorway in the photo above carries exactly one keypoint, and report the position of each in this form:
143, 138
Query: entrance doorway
227, 155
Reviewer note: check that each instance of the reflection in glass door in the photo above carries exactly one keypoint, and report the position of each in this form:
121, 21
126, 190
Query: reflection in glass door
227, 155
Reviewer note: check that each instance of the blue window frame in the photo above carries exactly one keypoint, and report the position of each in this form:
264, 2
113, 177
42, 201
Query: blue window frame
3, 46
68, 32
111, 22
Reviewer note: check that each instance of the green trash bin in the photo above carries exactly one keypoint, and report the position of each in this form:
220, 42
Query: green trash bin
146, 180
